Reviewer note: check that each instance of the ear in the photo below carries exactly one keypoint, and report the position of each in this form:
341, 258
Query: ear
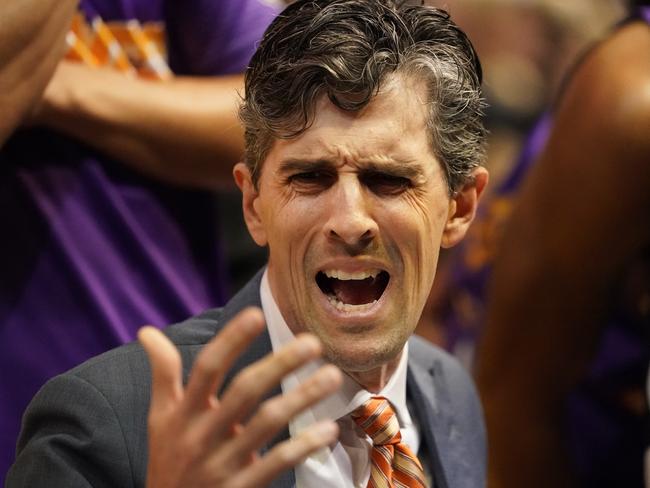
462, 208
250, 203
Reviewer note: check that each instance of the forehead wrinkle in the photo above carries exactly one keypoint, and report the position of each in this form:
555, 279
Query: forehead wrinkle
395, 167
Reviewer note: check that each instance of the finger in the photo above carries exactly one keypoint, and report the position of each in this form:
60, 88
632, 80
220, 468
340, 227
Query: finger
217, 357
166, 368
275, 414
286, 455
250, 385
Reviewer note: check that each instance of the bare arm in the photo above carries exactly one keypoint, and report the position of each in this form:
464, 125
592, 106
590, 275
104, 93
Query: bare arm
184, 130
32, 33
581, 216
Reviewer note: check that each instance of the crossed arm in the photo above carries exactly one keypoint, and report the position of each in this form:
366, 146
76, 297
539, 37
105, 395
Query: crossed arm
32, 33
183, 130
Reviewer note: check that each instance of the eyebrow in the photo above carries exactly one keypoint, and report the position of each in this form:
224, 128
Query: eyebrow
401, 169
297, 165
398, 168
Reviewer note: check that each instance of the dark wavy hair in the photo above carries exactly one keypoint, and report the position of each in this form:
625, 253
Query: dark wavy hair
346, 49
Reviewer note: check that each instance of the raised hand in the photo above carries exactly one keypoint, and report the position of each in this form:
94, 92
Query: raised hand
197, 440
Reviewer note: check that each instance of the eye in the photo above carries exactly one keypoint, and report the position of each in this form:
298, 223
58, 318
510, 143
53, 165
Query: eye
385, 183
310, 181
307, 176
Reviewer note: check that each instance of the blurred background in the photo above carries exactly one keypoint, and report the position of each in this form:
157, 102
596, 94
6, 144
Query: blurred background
526, 47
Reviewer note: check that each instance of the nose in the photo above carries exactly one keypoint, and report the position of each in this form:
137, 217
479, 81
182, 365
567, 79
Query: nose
350, 222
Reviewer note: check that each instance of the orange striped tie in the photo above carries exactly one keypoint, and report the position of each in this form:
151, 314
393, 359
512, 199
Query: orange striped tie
394, 465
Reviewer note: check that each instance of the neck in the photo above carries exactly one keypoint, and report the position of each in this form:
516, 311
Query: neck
374, 380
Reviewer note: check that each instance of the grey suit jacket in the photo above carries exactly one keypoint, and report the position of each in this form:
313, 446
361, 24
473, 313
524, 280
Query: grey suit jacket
88, 427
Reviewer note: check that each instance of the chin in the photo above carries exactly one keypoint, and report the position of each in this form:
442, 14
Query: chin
360, 357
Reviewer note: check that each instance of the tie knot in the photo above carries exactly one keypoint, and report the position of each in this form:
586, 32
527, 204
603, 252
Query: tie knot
378, 420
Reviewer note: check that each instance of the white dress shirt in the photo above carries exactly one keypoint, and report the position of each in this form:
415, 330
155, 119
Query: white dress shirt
346, 464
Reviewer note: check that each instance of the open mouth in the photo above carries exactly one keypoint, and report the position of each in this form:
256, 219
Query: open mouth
348, 291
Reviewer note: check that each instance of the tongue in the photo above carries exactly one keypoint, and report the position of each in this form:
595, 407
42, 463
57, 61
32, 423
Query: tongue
356, 292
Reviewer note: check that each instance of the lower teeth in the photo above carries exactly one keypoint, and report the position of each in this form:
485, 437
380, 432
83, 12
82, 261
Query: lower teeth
347, 307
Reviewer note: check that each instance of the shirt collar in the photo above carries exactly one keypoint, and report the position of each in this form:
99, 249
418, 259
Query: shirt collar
351, 395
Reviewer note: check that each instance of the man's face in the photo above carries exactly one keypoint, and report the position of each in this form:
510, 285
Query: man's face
354, 212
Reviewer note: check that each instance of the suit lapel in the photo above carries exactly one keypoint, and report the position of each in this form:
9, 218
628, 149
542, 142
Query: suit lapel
426, 389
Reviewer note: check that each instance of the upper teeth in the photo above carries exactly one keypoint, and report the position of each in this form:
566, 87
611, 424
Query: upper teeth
344, 275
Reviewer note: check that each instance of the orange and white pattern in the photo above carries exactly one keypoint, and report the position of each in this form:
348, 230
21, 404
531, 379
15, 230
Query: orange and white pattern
393, 465
130, 47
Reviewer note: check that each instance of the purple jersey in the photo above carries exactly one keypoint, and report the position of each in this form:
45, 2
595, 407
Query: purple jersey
92, 250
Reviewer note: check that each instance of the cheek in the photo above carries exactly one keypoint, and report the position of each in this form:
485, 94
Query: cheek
418, 228
423, 221
277, 211
290, 228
